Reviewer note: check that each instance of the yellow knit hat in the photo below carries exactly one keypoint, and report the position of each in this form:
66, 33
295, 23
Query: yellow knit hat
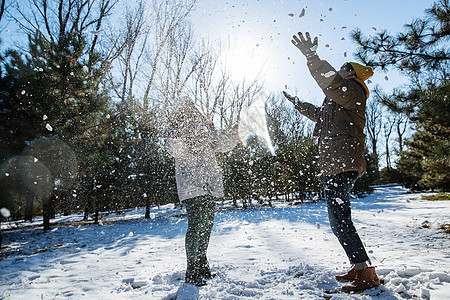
362, 72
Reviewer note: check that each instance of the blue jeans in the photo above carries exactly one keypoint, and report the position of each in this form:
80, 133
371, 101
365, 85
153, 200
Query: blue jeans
337, 192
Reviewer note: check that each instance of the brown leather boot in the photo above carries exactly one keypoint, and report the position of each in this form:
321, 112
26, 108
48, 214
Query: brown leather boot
349, 276
365, 279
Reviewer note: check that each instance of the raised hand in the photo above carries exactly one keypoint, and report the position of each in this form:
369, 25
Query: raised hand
293, 100
305, 45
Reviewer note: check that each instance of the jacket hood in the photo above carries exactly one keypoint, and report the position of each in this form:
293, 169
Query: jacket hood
363, 84
362, 72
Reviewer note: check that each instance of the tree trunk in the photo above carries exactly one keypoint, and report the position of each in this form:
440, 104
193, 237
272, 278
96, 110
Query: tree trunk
96, 213
244, 204
388, 157
376, 161
29, 207
86, 211
66, 207
47, 211
147, 207
52, 210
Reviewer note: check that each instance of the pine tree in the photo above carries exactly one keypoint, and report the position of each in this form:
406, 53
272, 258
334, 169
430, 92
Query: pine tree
54, 92
421, 53
426, 165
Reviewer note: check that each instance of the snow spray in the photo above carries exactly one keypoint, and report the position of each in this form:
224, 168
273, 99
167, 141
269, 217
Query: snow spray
253, 123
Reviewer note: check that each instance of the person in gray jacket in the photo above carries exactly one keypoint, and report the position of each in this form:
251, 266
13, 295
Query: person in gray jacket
340, 123
193, 141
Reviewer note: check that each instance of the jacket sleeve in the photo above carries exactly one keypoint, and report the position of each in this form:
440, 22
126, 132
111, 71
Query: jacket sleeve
345, 92
171, 146
226, 141
308, 110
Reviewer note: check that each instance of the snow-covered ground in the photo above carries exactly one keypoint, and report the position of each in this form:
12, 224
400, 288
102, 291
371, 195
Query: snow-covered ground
286, 252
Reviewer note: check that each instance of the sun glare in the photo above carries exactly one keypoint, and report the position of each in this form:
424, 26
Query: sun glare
245, 60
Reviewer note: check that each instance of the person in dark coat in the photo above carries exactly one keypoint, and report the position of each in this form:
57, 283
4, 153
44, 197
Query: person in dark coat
339, 127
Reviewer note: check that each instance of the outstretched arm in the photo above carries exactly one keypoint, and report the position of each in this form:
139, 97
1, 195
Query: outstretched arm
227, 141
321, 70
345, 92
307, 109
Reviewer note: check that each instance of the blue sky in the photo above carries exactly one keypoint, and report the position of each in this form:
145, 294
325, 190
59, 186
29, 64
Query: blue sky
260, 33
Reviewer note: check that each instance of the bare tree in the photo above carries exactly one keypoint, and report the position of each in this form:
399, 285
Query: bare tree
2, 8
156, 59
179, 64
218, 95
55, 19
209, 83
129, 42
243, 95
373, 129
401, 127
388, 126
215, 91
161, 61
168, 16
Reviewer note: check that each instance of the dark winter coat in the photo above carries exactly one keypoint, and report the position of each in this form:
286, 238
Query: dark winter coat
340, 121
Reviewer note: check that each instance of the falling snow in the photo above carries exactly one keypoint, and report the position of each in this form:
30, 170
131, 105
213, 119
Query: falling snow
339, 201
302, 14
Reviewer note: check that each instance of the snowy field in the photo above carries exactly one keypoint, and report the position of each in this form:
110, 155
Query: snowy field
286, 252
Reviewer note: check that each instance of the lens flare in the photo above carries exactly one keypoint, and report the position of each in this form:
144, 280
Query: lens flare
5, 212
30, 174
58, 157
35, 176
45, 166
253, 123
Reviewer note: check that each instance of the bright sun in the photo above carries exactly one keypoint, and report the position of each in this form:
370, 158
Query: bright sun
245, 60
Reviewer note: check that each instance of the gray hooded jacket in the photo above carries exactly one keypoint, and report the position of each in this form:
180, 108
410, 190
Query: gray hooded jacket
193, 147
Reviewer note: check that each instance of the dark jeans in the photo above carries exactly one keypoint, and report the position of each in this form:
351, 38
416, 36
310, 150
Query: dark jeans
337, 192
200, 213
